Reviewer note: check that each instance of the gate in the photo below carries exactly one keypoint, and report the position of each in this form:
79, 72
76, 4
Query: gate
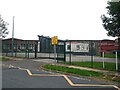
46, 49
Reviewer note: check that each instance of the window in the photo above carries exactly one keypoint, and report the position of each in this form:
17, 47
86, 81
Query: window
68, 47
78, 47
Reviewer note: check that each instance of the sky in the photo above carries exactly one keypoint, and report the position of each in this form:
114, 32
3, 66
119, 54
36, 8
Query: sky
67, 19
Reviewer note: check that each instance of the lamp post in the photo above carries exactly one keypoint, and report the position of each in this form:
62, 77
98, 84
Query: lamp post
13, 36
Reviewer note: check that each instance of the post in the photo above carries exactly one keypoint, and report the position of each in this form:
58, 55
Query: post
35, 50
103, 59
54, 41
28, 49
6, 49
49, 48
55, 52
13, 37
64, 51
16, 47
91, 54
70, 52
116, 61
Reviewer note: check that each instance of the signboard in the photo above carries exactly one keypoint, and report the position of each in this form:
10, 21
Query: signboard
54, 40
78, 47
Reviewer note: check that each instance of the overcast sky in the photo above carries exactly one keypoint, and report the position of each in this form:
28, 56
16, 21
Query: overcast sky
67, 19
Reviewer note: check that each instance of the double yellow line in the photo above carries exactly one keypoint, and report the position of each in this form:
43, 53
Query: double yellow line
67, 79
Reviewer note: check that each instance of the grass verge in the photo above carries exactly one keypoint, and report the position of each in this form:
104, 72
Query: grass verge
109, 55
4, 58
83, 72
72, 70
99, 65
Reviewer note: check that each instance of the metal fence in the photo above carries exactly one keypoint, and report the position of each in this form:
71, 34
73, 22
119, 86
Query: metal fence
89, 51
26, 52
46, 49
80, 50
69, 51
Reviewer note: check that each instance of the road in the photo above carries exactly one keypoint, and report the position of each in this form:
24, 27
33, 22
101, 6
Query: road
88, 58
27, 74
73, 57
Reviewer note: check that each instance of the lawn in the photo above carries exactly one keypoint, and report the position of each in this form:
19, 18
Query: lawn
72, 70
4, 58
99, 65
80, 72
109, 55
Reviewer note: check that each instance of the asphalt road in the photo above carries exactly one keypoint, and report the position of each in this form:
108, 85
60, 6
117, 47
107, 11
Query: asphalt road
73, 57
88, 58
15, 77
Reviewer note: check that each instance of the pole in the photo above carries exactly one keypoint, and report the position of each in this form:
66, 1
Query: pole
35, 50
28, 48
55, 52
13, 37
116, 61
91, 54
103, 60
64, 51
70, 51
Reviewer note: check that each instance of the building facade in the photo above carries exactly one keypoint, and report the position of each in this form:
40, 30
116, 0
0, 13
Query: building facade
18, 45
108, 45
75, 46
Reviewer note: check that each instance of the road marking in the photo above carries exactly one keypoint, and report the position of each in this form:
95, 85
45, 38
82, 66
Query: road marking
67, 79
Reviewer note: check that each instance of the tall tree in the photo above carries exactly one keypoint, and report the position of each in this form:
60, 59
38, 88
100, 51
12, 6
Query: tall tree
3, 28
111, 21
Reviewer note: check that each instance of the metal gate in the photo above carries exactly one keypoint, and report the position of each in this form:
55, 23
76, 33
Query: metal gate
46, 49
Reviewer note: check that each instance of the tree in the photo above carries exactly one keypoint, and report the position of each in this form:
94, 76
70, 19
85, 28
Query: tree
111, 21
3, 28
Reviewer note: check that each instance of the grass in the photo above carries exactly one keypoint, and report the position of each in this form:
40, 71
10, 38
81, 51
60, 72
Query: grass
83, 72
4, 58
109, 55
72, 70
99, 65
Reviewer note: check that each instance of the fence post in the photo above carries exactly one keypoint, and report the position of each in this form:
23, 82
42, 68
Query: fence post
49, 48
91, 50
64, 51
116, 61
35, 50
70, 51
103, 60
28, 48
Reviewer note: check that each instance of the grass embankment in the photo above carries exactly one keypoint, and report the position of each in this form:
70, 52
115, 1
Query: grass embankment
98, 65
83, 72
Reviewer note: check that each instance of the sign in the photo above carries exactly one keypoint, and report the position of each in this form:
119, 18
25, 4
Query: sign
78, 47
54, 40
